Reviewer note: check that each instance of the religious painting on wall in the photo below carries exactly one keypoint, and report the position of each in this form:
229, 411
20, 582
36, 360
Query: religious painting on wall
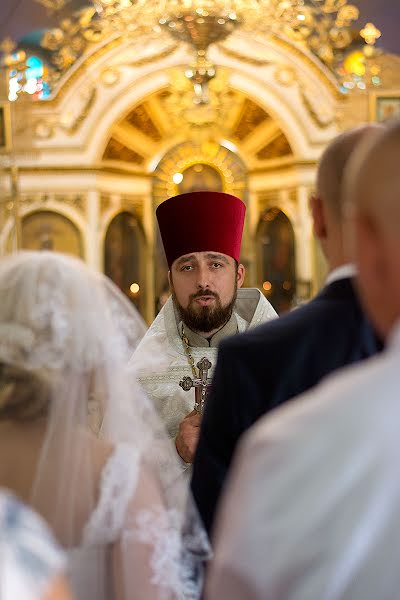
5, 127
48, 230
276, 259
385, 106
122, 257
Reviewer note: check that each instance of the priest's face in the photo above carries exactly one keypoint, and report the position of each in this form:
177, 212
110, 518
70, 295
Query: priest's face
204, 286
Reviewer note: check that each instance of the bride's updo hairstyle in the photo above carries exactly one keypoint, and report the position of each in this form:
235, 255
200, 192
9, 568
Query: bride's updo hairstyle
23, 394
49, 326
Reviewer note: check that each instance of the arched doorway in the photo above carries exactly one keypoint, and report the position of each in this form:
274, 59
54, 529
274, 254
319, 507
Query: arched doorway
48, 230
123, 257
276, 259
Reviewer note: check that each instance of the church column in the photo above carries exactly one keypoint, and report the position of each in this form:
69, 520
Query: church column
304, 260
284, 199
93, 252
250, 251
149, 228
5, 192
9, 206
116, 202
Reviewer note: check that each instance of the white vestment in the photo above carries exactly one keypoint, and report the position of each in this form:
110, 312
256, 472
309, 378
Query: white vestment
160, 361
312, 507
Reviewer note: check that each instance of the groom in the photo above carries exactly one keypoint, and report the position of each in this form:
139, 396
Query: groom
281, 360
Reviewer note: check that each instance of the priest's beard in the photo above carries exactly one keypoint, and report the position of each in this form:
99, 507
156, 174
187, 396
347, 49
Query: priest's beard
205, 318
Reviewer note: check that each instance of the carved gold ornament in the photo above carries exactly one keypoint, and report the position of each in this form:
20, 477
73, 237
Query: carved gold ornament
323, 26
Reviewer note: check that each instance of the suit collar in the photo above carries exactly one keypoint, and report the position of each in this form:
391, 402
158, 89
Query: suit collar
340, 287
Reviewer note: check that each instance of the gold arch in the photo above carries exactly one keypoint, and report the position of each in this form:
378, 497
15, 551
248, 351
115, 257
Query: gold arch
229, 165
74, 74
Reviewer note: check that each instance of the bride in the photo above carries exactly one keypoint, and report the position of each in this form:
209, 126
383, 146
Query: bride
81, 443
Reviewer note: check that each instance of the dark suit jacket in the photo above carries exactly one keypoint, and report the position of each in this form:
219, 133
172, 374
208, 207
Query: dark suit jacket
260, 369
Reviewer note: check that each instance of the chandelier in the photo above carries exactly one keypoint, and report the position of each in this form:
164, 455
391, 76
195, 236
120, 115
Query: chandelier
322, 27
200, 118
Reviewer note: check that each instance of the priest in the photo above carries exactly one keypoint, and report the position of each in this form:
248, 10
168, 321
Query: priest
201, 234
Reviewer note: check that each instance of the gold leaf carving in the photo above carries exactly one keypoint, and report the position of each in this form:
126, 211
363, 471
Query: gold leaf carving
318, 118
252, 60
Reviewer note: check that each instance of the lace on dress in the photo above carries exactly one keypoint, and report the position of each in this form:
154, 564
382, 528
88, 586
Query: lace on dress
118, 482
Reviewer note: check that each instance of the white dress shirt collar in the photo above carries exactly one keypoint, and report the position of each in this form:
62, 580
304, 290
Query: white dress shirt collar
342, 272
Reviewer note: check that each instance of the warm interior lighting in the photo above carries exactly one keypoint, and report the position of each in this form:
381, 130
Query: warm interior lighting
135, 288
177, 178
324, 27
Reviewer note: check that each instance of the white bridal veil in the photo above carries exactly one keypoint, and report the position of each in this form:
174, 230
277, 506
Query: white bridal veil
100, 469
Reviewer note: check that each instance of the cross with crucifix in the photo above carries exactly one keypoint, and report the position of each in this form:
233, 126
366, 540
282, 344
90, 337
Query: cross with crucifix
200, 384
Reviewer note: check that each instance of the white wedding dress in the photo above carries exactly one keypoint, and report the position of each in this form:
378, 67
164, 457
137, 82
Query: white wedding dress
106, 477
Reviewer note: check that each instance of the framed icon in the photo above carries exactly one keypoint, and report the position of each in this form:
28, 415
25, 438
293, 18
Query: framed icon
385, 106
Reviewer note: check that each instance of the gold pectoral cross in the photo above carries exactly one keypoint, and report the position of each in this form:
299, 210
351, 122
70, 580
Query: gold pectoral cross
201, 384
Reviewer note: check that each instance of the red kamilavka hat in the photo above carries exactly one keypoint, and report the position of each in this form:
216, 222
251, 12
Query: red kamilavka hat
201, 221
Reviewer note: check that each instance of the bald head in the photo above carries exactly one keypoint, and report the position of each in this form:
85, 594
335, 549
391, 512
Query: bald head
372, 180
372, 189
333, 164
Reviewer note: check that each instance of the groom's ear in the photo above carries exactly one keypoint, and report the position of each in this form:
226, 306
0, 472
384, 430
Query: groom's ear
318, 217
170, 279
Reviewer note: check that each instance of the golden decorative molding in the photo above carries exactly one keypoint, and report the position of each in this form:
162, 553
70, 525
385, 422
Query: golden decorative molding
71, 78
95, 170
313, 66
278, 148
140, 118
257, 62
250, 117
189, 154
76, 201
133, 205
140, 62
285, 75
287, 163
117, 151
321, 123
40, 201
79, 119
44, 130
106, 204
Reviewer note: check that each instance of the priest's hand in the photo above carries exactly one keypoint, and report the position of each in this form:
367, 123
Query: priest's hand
188, 436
